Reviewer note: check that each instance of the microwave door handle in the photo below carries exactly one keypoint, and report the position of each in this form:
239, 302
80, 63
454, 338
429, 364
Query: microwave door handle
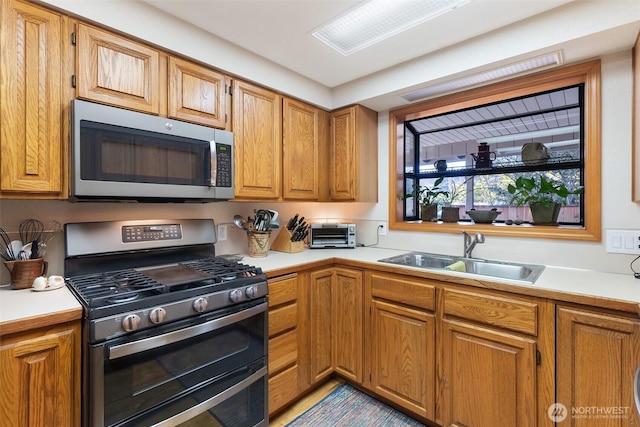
145, 344
214, 164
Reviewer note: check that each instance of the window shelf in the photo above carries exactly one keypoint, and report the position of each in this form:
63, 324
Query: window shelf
503, 168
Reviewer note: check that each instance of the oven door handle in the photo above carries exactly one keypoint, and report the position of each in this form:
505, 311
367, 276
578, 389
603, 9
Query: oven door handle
139, 346
210, 403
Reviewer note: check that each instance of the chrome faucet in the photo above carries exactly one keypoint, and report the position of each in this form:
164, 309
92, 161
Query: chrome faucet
471, 242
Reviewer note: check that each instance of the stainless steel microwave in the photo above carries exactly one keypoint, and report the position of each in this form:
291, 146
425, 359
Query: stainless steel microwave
119, 154
332, 236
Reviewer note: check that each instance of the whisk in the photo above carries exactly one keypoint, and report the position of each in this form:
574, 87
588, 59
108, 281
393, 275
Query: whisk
31, 232
6, 250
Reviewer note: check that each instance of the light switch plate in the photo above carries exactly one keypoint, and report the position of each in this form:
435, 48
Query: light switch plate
222, 232
623, 241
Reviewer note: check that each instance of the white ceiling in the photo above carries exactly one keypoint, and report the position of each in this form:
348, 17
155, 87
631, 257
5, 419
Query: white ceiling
280, 30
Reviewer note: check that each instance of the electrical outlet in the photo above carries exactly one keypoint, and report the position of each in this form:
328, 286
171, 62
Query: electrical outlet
222, 232
382, 228
623, 241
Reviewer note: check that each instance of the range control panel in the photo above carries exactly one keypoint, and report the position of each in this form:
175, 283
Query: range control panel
145, 233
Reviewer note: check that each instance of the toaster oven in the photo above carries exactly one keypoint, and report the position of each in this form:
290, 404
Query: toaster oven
332, 236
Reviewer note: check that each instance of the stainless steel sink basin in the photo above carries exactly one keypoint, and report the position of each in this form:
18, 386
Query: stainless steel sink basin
473, 266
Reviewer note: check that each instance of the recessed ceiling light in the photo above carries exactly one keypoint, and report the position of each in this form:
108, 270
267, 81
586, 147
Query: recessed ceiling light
377, 20
502, 73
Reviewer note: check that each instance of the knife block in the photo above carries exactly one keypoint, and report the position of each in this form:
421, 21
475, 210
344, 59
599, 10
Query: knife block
283, 243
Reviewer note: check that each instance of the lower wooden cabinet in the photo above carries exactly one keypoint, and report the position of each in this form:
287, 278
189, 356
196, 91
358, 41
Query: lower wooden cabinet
40, 377
284, 338
489, 377
402, 342
597, 356
496, 359
336, 324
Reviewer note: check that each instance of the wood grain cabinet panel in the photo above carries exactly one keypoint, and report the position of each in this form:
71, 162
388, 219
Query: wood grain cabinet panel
301, 145
353, 155
402, 352
32, 77
347, 324
284, 341
489, 377
115, 70
597, 355
40, 377
196, 94
320, 306
257, 129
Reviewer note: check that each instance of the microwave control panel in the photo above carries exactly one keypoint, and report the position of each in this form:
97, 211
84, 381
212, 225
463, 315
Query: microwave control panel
224, 159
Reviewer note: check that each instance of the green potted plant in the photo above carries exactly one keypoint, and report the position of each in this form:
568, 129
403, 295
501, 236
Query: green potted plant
428, 198
544, 197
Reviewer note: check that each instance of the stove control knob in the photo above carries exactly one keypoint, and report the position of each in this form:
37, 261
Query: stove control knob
200, 304
236, 295
157, 315
131, 322
251, 292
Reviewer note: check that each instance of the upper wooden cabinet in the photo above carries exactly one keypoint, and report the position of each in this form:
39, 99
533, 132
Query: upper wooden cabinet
635, 123
304, 139
353, 156
597, 355
32, 118
257, 129
197, 94
115, 70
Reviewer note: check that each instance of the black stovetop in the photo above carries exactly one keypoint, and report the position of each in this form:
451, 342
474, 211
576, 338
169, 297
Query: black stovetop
113, 292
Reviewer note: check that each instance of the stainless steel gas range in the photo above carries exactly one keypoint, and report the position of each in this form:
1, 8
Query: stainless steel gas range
172, 334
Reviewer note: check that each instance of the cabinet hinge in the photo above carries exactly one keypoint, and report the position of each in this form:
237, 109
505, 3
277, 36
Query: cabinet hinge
73, 81
226, 119
73, 38
538, 357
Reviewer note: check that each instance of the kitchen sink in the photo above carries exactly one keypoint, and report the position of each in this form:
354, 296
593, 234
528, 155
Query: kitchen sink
528, 273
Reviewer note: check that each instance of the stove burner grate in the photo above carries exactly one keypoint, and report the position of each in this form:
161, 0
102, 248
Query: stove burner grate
113, 287
223, 269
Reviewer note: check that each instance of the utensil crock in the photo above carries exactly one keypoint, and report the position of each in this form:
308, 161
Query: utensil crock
24, 272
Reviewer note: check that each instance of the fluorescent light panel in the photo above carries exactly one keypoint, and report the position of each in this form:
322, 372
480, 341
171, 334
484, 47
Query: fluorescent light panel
501, 73
377, 20
532, 134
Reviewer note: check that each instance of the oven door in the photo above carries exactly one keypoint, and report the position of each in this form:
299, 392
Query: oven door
212, 369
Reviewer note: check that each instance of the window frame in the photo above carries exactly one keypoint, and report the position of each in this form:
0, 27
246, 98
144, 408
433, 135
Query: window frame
587, 73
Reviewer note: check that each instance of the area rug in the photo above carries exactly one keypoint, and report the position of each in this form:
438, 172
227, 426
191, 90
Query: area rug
347, 406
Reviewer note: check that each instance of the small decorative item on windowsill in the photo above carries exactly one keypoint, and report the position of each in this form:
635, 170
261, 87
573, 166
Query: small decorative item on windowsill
545, 198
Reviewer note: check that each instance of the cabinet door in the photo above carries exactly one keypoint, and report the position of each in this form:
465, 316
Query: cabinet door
301, 150
343, 155
40, 374
353, 155
196, 94
114, 70
257, 129
596, 358
489, 377
347, 324
403, 356
320, 364
32, 144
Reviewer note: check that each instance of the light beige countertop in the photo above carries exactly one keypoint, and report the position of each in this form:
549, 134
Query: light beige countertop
22, 309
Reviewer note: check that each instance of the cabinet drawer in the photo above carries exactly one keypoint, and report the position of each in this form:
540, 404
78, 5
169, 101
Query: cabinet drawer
403, 290
282, 318
283, 388
283, 290
508, 313
283, 351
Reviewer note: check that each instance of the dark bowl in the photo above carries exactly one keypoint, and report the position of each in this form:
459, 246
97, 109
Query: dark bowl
483, 217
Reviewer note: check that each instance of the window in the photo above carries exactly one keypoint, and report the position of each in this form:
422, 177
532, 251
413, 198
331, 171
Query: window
543, 125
